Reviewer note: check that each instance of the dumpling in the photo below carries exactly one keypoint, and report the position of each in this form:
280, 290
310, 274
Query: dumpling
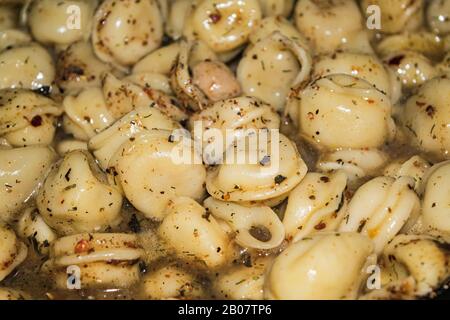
426, 118
326, 24
107, 142
171, 282
32, 227
167, 173
381, 208
412, 68
7, 294
88, 112
276, 7
256, 227
328, 102
193, 234
423, 42
198, 77
398, 15
68, 145
22, 171
365, 66
12, 251
61, 23
324, 266
224, 122
356, 163
277, 168
242, 282
413, 266
78, 68
436, 199
225, 25
438, 16
125, 31
272, 66
76, 198
318, 203
9, 16
26, 66
124, 95
27, 118
414, 167
29, 115
13, 37
99, 260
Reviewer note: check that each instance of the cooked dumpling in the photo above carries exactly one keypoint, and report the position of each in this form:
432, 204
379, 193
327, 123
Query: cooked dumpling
31, 226
7, 294
318, 203
364, 66
242, 282
276, 171
438, 16
78, 68
426, 118
413, 266
99, 260
326, 24
12, 251
76, 198
27, 118
107, 142
193, 234
125, 31
414, 167
356, 163
22, 170
87, 112
61, 23
436, 200
26, 66
166, 173
328, 102
397, 15
324, 266
171, 282
225, 25
256, 227
381, 208
272, 66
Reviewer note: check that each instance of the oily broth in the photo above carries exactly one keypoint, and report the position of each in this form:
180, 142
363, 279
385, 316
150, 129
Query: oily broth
28, 277
38, 285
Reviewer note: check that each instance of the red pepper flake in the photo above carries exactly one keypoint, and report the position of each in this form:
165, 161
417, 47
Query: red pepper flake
215, 17
370, 101
82, 246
